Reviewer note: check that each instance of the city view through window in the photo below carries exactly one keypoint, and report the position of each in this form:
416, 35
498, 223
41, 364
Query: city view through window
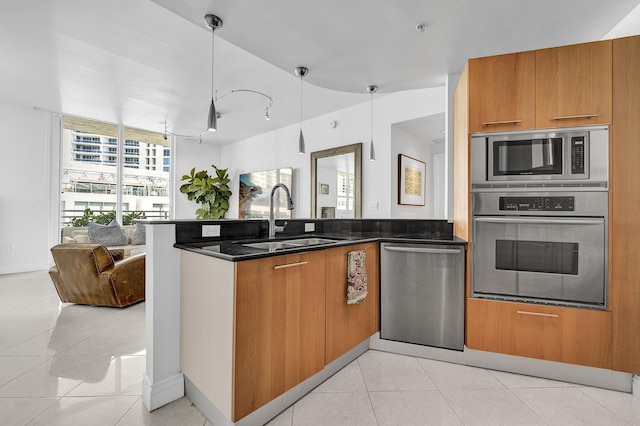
91, 154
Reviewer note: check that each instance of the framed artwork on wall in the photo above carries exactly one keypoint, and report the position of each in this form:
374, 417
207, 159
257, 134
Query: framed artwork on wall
324, 189
254, 191
411, 181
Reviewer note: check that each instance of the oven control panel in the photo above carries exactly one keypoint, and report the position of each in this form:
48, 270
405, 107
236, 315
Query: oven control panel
541, 204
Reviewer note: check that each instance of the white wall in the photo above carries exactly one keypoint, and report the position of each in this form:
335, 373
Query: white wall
24, 194
407, 144
188, 153
280, 148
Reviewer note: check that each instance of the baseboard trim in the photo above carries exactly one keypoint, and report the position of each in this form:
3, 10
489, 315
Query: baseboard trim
156, 395
270, 410
579, 374
18, 269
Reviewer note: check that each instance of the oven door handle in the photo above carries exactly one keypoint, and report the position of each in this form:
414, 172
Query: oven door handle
527, 220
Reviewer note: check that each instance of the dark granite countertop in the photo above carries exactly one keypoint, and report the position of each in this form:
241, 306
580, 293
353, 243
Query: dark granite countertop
234, 249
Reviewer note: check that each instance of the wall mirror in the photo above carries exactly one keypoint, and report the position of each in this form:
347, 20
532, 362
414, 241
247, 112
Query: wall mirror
336, 182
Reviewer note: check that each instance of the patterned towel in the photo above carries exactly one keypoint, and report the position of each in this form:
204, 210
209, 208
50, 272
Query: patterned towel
356, 277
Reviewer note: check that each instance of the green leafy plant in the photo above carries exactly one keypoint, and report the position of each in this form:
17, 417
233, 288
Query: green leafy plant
83, 220
127, 219
212, 193
104, 218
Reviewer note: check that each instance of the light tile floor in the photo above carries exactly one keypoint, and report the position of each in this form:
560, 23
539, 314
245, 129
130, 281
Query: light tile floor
65, 364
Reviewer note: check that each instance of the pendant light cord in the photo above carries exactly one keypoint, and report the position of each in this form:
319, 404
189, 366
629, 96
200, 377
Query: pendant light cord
300, 102
371, 117
213, 38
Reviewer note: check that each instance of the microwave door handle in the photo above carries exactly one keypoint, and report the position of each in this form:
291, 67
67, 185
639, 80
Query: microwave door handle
539, 221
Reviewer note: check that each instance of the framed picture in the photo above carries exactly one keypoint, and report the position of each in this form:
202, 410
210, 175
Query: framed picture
254, 191
324, 189
411, 181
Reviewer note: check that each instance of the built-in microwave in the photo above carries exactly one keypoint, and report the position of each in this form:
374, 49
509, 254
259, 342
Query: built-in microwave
570, 155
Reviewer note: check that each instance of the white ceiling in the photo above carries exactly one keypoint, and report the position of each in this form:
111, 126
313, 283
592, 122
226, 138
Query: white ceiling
141, 62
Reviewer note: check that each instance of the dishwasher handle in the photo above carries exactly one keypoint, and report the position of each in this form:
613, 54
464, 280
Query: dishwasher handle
422, 250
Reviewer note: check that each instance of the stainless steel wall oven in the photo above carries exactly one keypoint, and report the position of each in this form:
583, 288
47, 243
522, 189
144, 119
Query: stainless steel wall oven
541, 240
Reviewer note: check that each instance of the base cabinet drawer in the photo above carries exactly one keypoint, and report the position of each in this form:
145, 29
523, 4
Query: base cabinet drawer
552, 333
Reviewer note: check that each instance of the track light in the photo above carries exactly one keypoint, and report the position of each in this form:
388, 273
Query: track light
301, 72
213, 23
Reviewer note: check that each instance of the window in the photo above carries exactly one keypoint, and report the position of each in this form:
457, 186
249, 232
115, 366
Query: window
147, 186
90, 177
88, 180
345, 192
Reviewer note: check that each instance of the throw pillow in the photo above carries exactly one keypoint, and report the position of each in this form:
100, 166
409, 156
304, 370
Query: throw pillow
140, 234
83, 239
109, 235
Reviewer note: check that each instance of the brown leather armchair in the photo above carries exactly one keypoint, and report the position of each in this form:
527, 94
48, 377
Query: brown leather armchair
88, 274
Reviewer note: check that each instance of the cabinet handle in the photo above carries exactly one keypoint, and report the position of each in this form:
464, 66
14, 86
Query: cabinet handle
570, 117
491, 123
538, 314
290, 265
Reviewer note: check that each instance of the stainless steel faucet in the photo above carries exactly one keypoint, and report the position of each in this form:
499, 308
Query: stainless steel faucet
272, 220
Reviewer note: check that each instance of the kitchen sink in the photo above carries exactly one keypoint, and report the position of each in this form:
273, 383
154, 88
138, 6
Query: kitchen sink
271, 245
295, 243
310, 241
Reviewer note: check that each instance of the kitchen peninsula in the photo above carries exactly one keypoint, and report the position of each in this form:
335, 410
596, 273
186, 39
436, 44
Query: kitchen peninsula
195, 346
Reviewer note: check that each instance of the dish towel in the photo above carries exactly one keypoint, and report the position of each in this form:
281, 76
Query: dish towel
356, 277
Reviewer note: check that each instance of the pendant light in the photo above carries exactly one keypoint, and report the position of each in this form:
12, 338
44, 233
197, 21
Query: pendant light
301, 72
213, 23
372, 153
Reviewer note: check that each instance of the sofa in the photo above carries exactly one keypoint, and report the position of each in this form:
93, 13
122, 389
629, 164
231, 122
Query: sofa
132, 243
90, 274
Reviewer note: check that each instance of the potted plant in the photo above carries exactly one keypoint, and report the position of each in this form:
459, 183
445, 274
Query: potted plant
212, 193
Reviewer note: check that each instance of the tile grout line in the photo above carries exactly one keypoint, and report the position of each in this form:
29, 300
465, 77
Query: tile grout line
128, 410
453, 410
373, 409
600, 404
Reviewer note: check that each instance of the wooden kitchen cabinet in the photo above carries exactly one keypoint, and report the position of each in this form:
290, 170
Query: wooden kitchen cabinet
348, 325
624, 195
502, 92
279, 327
573, 85
553, 333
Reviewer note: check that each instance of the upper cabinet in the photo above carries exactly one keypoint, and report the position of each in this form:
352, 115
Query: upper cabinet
567, 86
502, 92
573, 85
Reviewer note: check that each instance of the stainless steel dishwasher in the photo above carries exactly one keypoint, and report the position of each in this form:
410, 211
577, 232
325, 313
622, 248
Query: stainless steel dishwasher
422, 294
